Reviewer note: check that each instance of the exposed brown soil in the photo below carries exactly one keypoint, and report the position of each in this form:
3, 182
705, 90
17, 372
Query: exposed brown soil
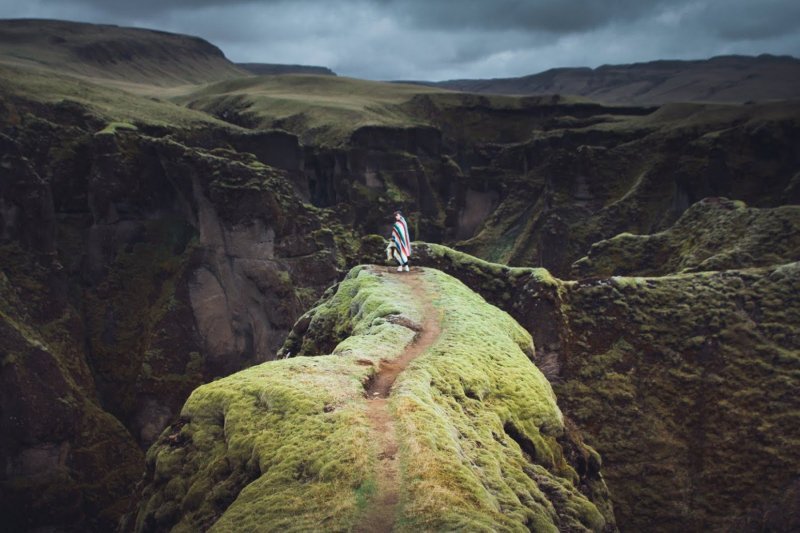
380, 516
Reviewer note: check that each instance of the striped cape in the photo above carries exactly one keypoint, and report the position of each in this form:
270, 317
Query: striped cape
402, 239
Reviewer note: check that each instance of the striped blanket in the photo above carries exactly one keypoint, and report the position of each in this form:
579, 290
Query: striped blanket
401, 240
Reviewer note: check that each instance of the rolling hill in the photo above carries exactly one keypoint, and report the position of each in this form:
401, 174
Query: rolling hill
274, 69
730, 79
113, 54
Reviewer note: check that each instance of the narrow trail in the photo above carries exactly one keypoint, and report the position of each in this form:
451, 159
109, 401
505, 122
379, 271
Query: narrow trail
380, 516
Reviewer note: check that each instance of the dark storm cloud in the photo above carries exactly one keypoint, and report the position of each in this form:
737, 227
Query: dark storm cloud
546, 15
440, 39
554, 16
732, 18
751, 20
146, 8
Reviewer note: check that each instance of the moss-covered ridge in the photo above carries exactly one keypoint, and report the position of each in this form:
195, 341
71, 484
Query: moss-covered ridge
282, 445
286, 445
480, 431
713, 234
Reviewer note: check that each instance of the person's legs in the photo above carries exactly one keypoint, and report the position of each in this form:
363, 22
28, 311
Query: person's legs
402, 260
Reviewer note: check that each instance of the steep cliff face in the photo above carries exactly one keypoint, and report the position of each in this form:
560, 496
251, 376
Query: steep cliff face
568, 188
148, 265
699, 372
188, 247
288, 444
66, 460
524, 181
678, 381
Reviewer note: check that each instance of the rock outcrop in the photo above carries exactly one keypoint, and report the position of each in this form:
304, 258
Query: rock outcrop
713, 234
684, 383
135, 267
286, 444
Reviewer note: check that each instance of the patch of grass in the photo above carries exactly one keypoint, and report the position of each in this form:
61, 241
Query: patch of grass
107, 104
113, 127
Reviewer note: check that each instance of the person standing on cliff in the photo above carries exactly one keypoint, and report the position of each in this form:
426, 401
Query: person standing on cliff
401, 240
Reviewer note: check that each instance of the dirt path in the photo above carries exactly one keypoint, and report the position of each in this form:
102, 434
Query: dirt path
380, 516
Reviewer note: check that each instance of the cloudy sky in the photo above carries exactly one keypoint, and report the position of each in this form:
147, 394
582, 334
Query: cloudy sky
445, 39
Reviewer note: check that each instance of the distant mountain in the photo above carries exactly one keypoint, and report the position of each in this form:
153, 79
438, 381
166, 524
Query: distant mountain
719, 79
266, 69
113, 53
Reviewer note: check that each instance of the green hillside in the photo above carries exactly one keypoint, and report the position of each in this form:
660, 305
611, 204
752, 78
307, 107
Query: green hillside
130, 58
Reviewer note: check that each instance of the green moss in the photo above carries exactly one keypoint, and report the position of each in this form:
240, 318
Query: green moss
464, 412
693, 372
295, 434
364, 493
287, 445
356, 301
715, 234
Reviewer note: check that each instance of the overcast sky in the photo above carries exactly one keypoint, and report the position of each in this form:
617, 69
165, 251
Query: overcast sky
445, 39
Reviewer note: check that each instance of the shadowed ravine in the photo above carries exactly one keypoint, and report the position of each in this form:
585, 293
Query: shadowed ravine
380, 515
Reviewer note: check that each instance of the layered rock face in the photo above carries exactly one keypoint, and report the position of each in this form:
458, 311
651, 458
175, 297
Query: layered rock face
286, 444
135, 268
684, 383
536, 181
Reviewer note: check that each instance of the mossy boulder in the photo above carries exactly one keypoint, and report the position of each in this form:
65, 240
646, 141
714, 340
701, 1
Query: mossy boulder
286, 445
713, 234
